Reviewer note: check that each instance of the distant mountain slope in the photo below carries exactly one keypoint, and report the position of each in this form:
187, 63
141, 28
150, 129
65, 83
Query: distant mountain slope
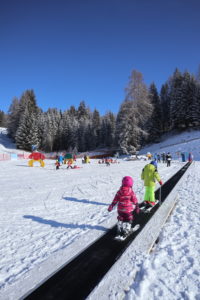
188, 141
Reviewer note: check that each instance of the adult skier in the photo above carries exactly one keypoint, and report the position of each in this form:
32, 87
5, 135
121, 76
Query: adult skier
168, 159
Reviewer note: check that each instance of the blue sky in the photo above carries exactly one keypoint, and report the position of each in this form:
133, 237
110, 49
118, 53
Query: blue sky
73, 50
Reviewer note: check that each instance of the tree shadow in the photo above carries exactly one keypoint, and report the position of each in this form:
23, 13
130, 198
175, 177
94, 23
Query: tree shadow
58, 224
83, 201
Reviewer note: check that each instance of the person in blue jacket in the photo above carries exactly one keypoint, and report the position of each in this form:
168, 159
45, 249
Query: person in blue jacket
60, 159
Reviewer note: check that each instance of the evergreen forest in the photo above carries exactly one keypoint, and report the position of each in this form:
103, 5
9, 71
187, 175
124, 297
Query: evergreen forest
143, 117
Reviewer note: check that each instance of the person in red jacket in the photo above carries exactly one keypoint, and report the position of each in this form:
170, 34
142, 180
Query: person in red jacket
127, 202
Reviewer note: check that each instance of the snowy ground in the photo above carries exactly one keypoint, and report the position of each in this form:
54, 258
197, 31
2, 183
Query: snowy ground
48, 216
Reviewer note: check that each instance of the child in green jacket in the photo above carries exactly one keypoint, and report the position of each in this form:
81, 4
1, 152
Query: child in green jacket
150, 175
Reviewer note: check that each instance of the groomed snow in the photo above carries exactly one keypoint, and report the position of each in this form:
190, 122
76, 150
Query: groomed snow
48, 216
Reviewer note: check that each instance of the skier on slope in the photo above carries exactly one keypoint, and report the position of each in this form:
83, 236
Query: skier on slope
168, 159
127, 203
190, 157
57, 163
150, 175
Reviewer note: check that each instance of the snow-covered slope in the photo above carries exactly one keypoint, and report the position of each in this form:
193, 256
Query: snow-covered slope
6, 145
48, 216
176, 143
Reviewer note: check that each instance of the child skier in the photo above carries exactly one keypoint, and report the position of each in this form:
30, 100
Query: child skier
57, 164
69, 163
127, 203
150, 175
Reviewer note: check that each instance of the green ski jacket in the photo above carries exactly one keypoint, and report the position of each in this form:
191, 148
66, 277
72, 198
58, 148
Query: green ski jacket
150, 175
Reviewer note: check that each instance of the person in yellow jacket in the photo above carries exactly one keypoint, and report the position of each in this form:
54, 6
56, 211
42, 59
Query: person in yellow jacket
150, 175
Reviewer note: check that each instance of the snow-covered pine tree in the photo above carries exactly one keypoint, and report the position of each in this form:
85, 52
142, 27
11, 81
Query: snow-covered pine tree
177, 101
165, 107
190, 111
73, 130
27, 131
81, 133
13, 117
52, 121
134, 111
3, 119
41, 129
58, 137
197, 77
83, 117
67, 128
195, 109
95, 129
108, 130
127, 128
83, 112
154, 123
28, 100
90, 137
197, 100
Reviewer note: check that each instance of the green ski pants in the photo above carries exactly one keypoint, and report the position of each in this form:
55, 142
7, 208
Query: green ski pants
149, 194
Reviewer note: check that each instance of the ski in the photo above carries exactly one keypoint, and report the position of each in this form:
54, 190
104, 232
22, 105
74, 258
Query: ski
121, 237
146, 209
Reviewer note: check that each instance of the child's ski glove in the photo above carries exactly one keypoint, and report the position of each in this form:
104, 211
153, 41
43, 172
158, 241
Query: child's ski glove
110, 208
161, 183
137, 209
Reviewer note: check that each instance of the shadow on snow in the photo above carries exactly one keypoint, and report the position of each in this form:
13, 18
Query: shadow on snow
58, 224
83, 201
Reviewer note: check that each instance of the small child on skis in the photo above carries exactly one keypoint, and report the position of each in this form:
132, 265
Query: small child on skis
127, 203
107, 161
150, 175
69, 163
57, 163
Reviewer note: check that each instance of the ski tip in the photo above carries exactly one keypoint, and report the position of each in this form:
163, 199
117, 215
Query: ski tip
136, 227
119, 238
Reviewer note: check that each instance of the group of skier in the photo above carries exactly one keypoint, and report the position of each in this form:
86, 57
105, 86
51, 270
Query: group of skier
68, 160
107, 161
163, 157
126, 200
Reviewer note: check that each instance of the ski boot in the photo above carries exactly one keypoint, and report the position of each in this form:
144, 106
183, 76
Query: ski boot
126, 229
119, 228
149, 204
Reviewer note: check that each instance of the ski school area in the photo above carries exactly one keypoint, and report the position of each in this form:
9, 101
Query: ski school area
50, 217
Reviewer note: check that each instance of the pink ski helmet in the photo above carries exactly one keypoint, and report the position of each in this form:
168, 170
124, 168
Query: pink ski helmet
127, 181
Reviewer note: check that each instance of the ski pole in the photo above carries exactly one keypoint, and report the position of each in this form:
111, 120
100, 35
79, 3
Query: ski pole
160, 196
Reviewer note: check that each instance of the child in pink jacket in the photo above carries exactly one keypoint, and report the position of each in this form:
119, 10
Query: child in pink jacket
127, 202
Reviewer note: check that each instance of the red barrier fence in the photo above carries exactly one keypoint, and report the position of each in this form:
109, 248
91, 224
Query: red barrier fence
8, 156
4, 156
102, 155
23, 155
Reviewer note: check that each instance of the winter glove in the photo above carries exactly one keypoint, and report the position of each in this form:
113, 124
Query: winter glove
110, 208
161, 183
137, 209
